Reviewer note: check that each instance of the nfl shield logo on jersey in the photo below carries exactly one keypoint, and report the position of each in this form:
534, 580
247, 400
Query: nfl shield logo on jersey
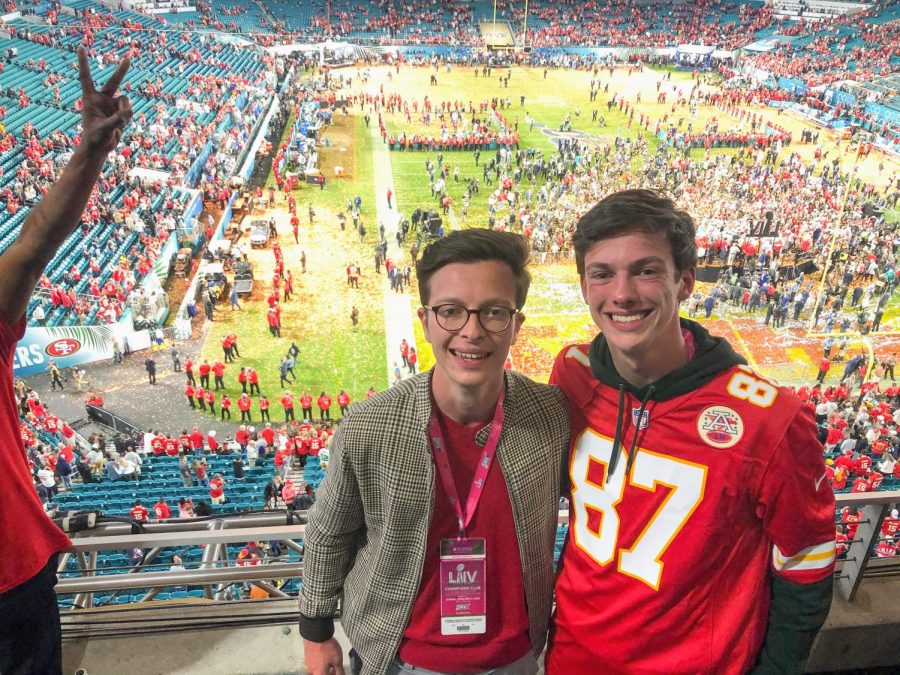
645, 418
720, 426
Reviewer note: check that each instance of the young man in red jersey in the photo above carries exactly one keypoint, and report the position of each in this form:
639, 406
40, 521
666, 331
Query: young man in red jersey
701, 535
443, 548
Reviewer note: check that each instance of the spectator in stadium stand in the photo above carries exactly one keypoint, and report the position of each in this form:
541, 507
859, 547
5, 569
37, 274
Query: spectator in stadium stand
636, 257
242, 438
472, 285
29, 615
288, 493
212, 444
161, 509
185, 470
196, 440
217, 489
139, 512
203, 509
186, 507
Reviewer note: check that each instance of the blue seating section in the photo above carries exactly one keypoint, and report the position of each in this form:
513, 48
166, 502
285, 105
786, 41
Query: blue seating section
28, 74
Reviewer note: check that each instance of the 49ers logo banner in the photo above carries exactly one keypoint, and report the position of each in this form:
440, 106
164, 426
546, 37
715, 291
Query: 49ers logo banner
720, 426
65, 347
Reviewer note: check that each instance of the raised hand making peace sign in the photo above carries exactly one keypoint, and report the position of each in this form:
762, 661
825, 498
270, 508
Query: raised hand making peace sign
47, 225
104, 114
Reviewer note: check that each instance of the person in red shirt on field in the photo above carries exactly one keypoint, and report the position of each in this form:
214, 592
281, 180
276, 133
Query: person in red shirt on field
404, 352
824, 367
161, 509
211, 401
306, 406
244, 403
225, 407
412, 359
189, 371
343, 400
253, 380
218, 369
263, 408
139, 512
242, 379
200, 395
287, 402
204, 374
189, 393
324, 403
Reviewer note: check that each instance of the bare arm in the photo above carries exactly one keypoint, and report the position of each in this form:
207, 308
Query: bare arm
49, 223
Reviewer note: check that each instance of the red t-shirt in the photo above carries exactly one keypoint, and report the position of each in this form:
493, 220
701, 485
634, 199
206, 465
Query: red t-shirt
21, 510
216, 488
140, 513
507, 619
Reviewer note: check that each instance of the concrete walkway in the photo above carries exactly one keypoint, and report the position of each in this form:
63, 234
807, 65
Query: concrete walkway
398, 307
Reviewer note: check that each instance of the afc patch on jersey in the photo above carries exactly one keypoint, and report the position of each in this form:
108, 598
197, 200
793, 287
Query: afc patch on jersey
720, 426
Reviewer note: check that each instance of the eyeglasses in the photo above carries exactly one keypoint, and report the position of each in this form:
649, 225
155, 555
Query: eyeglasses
494, 318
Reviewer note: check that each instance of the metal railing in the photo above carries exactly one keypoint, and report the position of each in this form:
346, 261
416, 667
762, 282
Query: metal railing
216, 572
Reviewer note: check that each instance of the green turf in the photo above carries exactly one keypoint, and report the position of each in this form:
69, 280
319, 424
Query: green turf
332, 356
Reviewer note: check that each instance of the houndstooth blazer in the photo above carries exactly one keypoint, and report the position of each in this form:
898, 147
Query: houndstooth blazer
366, 536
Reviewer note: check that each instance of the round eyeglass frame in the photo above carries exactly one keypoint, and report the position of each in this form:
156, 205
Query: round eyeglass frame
469, 312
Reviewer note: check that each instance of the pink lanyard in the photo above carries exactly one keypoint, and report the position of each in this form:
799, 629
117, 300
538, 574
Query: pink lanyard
439, 450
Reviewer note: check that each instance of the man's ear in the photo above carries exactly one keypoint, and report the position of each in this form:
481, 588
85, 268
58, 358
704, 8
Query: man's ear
688, 278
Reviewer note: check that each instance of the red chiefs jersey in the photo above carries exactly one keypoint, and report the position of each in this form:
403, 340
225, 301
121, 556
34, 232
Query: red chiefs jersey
667, 570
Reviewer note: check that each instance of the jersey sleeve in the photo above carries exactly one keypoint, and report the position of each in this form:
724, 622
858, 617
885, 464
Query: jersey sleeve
572, 373
796, 503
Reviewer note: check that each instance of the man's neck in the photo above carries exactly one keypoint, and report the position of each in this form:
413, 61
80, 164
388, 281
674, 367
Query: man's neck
463, 405
639, 370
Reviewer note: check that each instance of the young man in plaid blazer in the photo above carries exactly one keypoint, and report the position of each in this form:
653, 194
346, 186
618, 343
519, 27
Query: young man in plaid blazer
440, 502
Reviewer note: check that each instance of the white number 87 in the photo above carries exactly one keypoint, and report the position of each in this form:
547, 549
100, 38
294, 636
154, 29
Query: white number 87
686, 481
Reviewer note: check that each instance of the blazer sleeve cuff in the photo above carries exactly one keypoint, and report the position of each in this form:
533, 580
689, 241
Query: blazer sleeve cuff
319, 629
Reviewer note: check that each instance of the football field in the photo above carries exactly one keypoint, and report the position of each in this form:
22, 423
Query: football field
334, 356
